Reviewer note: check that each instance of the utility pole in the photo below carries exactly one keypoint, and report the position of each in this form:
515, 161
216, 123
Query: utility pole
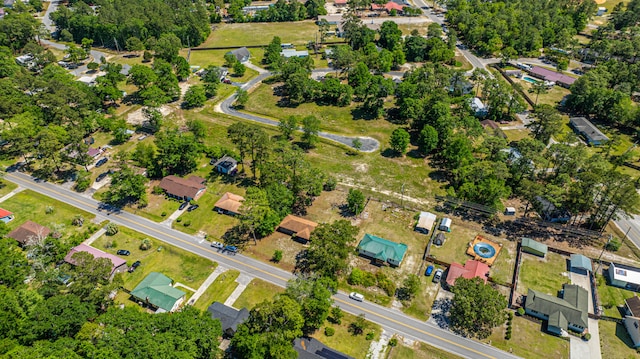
402, 197
116, 42
601, 253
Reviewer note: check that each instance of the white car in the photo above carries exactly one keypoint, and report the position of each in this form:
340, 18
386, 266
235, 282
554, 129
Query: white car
356, 296
217, 245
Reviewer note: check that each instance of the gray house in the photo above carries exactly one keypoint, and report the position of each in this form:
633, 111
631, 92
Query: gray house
242, 54
568, 312
588, 131
229, 317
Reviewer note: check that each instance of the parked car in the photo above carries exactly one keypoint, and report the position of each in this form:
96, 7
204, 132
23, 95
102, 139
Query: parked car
231, 249
226, 81
101, 161
123, 252
193, 207
217, 245
437, 276
102, 176
183, 205
356, 296
428, 271
135, 265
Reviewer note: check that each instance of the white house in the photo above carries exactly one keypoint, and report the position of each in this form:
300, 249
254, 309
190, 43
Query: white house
478, 107
624, 276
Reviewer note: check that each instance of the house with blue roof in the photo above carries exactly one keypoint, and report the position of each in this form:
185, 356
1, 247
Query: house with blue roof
381, 250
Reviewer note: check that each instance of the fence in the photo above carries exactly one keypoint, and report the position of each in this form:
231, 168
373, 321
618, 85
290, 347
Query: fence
516, 274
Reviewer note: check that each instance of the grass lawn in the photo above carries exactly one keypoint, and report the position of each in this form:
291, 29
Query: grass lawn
615, 342
516, 135
28, 205
343, 341
256, 292
219, 290
158, 204
181, 266
419, 351
543, 274
204, 58
6, 187
420, 306
528, 341
612, 297
610, 4
276, 241
297, 33
553, 96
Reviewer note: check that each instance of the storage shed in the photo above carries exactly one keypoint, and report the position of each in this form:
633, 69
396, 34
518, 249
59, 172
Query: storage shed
439, 240
528, 245
445, 225
425, 222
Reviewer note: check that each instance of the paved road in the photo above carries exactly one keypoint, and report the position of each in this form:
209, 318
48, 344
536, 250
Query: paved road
368, 144
390, 319
631, 226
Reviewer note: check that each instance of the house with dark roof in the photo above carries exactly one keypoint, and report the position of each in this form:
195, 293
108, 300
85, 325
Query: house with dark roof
183, 188
632, 319
118, 265
381, 250
588, 131
624, 276
549, 212
29, 232
156, 290
229, 203
230, 318
226, 165
6, 216
298, 228
242, 54
311, 348
562, 313
471, 269
530, 246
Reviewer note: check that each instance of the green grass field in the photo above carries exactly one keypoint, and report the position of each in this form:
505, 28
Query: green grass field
419, 351
6, 187
528, 341
615, 342
542, 274
219, 290
345, 342
612, 297
175, 263
157, 205
256, 292
298, 33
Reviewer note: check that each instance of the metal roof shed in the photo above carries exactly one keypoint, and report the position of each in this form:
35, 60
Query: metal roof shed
445, 224
528, 245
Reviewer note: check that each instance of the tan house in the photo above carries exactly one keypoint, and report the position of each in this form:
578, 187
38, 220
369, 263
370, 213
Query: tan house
29, 232
298, 228
183, 188
229, 203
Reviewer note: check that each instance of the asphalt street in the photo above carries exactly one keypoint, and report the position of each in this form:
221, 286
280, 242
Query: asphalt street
392, 320
630, 226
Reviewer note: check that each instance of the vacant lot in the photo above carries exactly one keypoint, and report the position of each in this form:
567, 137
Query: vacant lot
298, 33
615, 342
354, 345
266, 247
175, 263
256, 292
419, 350
543, 274
219, 290
528, 341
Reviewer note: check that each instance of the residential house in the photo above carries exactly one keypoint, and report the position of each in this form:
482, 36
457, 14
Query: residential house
311, 348
226, 165
479, 108
229, 203
601, 11
287, 53
382, 250
8, 3
6, 216
580, 263
624, 276
588, 131
331, 19
632, 319
567, 312
388, 7
471, 269
340, 3
549, 212
425, 222
183, 189
28, 232
156, 290
528, 245
230, 318
251, 10
94, 152
551, 76
242, 54
298, 228
118, 265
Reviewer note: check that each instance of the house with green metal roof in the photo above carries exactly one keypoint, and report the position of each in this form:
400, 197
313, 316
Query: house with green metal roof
580, 263
382, 250
568, 312
528, 245
156, 291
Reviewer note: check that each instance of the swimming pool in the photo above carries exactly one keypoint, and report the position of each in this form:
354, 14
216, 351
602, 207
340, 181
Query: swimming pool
530, 79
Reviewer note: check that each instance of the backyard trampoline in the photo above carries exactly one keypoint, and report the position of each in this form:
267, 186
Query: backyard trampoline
484, 250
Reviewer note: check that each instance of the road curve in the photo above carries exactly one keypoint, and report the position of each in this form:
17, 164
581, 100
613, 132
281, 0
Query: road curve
368, 144
391, 320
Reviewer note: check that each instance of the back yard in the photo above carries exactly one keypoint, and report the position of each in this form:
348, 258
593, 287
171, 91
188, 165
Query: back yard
543, 274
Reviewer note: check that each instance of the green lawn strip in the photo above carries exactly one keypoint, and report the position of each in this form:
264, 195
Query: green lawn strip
516, 135
125, 298
615, 342
31, 206
297, 33
543, 274
610, 4
256, 292
612, 297
6, 187
219, 290
420, 305
372, 294
179, 265
528, 341
345, 342
419, 351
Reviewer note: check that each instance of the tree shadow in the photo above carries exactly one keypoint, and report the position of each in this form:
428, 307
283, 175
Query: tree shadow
414, 153
389, 153
362, 113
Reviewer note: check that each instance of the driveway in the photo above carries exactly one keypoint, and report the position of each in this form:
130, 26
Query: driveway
579, 348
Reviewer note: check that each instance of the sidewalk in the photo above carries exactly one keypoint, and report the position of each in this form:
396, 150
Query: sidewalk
243, 280
212, 277
11, 194
95, 236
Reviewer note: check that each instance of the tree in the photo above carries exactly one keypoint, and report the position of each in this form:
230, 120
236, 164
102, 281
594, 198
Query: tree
145, 244
428, 140
281, 199
126, 187
91, 280
410, 287
230, 59
539, 88
13, 264
390, 35
134, 44
314, 296
272, 53
256, 217
167, 47
476, 308
198, 129
153, 119
57, 317
329, 249
288, 126
355, 201
548, 123
182, 68
112, 229
177, 153
93, 66
310, 129
399, 140
242, 97
195, 97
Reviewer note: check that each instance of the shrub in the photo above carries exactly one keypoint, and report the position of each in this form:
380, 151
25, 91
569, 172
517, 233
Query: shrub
393, 342
520, 311
145, 244
111, 244
179, 220
370, 336
112, 229
187, 223
614, 245
157, 190
510, 317
328, 331
355, 277
49, 210
78, 220
358, 326
336, 315
508, 336
330, 184
277, 256
587, 336
163, 214
146, 56
386, 284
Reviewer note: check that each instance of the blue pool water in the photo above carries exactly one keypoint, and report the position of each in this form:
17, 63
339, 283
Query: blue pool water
484, 250
529, 79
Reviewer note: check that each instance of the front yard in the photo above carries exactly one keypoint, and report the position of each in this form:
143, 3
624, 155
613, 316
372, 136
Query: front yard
615, 342
256, 292
528, 341
345, 342
219, 290
418, 350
